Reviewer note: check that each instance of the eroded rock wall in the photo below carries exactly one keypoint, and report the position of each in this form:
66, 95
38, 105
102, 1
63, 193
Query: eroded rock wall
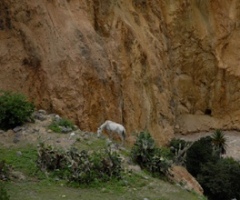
147, 64
204, 37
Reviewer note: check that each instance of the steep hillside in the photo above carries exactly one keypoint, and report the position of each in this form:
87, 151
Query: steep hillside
149, 64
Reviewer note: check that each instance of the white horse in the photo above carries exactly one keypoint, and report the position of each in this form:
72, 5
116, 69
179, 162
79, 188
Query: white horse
112, 127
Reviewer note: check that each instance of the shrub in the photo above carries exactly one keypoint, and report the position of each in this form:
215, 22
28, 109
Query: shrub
178, 144
199, 154
143, 149
98, 166
61, 126
221, 180
159, 164
179, 148
51, 159
80, 167
148, 156
14, 110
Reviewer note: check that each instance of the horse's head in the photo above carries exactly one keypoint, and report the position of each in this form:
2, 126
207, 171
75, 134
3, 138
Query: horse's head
99, 131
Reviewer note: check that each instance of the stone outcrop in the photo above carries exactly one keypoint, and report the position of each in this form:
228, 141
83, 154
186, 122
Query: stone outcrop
147, 64
181, 176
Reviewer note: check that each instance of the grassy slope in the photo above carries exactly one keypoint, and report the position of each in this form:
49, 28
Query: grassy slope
37, 186
45, 190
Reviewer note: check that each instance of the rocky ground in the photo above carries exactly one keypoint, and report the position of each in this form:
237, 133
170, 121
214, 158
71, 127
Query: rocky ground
38, 131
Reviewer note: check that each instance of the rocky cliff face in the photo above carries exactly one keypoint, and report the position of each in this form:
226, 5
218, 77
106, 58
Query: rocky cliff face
156, 65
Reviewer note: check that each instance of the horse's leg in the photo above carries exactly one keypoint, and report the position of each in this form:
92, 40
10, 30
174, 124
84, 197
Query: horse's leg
111, 137
121, 136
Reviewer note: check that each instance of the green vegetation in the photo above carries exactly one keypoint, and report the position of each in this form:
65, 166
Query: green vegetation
3, 193
178, 144
219, 142
54, 184
14, 110
220, 180
21, 159
199, 154
61, 126
148, 156
87, 170
218, 176
80, 167
179, 149
143, 149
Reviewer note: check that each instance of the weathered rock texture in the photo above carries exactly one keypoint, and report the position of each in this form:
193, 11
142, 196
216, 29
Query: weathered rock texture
149, 64
180, 175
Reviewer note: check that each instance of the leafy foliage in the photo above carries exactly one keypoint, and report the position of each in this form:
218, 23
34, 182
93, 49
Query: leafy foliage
219, 141
14, 109
218, 176
221, 180
178, 144
148, 156
61, 125
199, 154
99, 166
80, 166
179, 148
143, 149
51, 159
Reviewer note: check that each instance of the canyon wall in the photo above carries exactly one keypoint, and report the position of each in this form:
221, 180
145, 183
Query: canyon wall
160, 65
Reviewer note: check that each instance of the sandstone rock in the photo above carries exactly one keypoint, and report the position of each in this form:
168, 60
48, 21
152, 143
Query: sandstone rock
180, 175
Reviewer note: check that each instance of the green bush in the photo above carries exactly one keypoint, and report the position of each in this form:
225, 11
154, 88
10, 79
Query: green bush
98, 166
148, 156
199, 154
15, 110
178, 144
51, 159
143, 149
80, 167
221, 180
61, 125
179, 148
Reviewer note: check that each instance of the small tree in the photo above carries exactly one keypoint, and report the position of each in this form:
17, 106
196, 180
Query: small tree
15, 109
220, 180
219, 141
199, 154
148, 156
179, 147
143, 149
